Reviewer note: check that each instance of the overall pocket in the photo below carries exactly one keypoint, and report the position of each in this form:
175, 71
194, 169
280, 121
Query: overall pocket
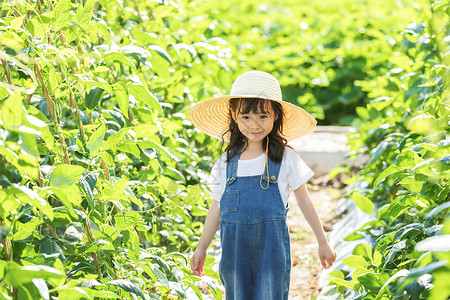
232, 200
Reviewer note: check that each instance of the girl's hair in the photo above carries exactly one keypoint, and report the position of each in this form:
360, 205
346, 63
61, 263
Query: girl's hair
238, 141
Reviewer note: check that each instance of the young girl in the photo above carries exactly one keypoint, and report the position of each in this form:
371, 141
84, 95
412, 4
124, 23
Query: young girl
252, 186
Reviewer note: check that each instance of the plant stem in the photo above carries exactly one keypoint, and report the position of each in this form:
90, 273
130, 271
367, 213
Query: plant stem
6, 245
52, 112
87, 229
7, 71
74, 106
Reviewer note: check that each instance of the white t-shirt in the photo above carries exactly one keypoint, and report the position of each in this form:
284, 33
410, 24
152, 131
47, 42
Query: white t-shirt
294, 172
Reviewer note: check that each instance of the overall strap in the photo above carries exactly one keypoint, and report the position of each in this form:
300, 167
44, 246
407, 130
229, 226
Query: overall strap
274, 171
232, 166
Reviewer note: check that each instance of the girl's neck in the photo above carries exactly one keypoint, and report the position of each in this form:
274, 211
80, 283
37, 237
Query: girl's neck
253, 150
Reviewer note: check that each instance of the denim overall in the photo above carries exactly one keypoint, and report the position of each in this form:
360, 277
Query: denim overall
256, 260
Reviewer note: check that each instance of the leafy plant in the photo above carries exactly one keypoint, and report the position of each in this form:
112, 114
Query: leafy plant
100, 169
404, 130
319, 50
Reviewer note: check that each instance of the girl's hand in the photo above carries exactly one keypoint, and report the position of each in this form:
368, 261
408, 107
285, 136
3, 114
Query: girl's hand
327, 255
198, 261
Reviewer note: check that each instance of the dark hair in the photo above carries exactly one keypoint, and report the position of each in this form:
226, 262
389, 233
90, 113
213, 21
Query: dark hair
238, 141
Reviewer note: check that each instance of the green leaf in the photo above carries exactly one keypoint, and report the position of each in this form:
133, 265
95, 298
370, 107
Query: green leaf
23, 230
400, 273
11, 40
189, 48
161, 276
128, 286
414, 227
396, 248
51, 246
115, 56
122, 98
68, 195
145, 96
363, 203
42, 288
60, 12
64, 174
93, 97
388, 171
440, 243
153, 145
127, 220
84, 13
4, 231
11, 110
16, 275
161, 52
341, 282
29, 196
28, 143
437, 210
355, 261
145, 130
424, 124
130, 147
96, 139
133, 247
112, 141
411, 184
138, 51
88, 191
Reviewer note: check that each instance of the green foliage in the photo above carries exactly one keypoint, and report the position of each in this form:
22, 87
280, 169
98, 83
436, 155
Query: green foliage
319, 50
100, 169
404, 131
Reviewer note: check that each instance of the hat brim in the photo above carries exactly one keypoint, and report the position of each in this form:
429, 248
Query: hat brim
212, 117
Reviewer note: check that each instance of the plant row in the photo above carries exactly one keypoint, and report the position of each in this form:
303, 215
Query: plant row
404, 186
100, 169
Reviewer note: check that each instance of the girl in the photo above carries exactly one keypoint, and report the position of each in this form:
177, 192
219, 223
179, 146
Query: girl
252, 186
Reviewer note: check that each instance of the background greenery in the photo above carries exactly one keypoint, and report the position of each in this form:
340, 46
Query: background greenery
404, 185
100, 169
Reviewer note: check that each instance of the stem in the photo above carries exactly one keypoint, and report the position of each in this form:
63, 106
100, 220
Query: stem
7, 71
63, 38
137, 9
106, 169
7, 246
87, 229
74, 105
52, 112
52, 230
115, 271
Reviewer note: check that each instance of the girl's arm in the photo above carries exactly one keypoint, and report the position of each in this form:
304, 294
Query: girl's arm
326, 253
209, 229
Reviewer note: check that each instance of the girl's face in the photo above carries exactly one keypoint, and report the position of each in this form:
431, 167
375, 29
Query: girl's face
255, 125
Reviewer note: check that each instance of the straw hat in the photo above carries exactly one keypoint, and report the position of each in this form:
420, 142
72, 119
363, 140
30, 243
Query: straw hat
212, 117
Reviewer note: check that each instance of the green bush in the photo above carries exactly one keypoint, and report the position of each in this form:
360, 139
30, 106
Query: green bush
100, 168
319, 50
404, 131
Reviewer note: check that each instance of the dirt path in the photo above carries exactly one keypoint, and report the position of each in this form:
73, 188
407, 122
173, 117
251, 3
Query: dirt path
306, 266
